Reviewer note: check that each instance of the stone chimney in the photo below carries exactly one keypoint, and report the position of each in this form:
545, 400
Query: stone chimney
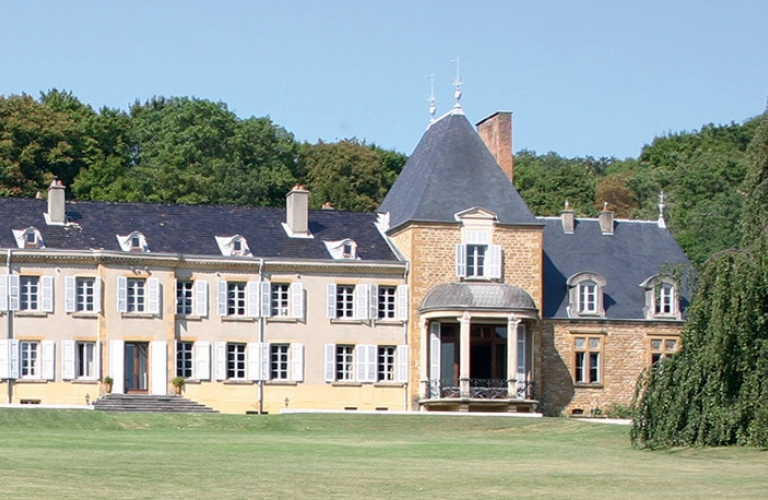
567, 219
606, 220
57, 199
297, 210
496, 133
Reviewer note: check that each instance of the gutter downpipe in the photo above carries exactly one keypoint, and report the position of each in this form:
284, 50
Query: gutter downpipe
405, 336
261, 338
9, 381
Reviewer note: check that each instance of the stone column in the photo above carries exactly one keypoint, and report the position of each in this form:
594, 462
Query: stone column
512, 324
464, 355
424, 359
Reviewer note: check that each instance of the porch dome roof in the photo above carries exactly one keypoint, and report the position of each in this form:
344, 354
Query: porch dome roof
478, 296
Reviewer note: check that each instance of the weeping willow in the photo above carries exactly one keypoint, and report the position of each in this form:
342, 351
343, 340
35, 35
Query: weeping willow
714, 392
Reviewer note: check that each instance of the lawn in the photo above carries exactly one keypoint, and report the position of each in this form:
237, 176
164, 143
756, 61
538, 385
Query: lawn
61, 454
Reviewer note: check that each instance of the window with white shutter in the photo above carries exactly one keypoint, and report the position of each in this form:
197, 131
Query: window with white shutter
202, 360
297, 300
297, 362
3, 293
201, 298
362, 306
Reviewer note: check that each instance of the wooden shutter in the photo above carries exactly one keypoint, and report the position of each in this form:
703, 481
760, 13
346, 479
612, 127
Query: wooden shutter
122, 296
402, 302
494, 261
153, 304
252, 299
3, 293
13, 355
70, 291
202, 360
5, 359
297, 300
97, 294
297, 362
221, 298
253, 356
13, 292
330, 362
221, 360
402, 364
373, 301
47, 286
266, 299
201, 298
461, 260
330, 301
158, 366
117, 365
434, 351
68, 359
361, 302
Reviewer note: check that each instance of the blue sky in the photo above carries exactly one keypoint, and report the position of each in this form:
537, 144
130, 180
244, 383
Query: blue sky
590, 77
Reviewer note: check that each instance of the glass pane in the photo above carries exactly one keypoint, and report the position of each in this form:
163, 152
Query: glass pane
656, 344
594, 343
670, 344
580, 342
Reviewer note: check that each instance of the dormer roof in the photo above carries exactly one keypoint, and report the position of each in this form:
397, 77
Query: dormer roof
450, 171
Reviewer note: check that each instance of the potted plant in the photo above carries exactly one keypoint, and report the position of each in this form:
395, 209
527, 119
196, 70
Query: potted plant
178, 384
108, 384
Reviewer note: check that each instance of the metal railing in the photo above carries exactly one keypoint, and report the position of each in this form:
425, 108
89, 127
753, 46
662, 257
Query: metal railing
481, 389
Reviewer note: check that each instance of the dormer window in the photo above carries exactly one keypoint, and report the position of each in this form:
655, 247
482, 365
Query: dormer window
233, 246
585, 291
348, 251
237, 247
28, 238
345, 249
134, 242
661, 300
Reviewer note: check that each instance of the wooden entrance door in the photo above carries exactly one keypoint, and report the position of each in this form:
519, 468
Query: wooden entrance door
136, 366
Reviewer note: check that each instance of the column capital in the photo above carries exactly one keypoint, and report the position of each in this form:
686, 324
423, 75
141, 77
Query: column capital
465, 318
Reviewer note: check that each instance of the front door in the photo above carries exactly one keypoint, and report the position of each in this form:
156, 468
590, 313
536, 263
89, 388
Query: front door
136, 366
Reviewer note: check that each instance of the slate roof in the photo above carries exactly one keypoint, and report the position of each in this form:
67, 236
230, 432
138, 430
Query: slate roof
191, 229
477, 296
451, 170
636, 251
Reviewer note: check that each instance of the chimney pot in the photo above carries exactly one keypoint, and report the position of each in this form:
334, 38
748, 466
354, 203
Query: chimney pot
567, 219
606, 220
297, 210
57, 203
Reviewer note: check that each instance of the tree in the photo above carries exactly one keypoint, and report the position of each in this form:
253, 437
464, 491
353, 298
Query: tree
713, 391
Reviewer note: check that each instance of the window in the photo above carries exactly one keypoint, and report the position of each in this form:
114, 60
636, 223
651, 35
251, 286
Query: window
280, 307
476, 261
588, 297
236, 298
237, 247
31, 239
29, 293
585, 292
30, 361
85, 360
661, 300
387, 302
136, 295
184, 291
587, 366
134, 242
236, 361
662, 348
184, 359
664, 305
85, 294
345, 363
345, 301
278, 354
386, 364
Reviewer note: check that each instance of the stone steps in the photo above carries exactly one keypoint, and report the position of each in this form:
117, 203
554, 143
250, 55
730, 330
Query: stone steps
150, 403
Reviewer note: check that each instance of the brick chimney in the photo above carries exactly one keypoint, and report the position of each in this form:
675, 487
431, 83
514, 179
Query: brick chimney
606, 220
57, 200
297, 210
496, 133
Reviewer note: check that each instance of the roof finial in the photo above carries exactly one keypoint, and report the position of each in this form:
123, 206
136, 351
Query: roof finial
567, 205
431, 98
661, 221
605, 206
457, 82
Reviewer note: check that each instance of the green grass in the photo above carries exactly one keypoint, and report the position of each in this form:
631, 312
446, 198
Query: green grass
77, 455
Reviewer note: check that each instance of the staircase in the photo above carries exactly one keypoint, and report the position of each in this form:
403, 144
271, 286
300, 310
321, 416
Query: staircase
148, 403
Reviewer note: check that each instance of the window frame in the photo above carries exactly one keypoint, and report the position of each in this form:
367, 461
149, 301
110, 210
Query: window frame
136, 295
185, 359
344, 368
30, 354
588, 360
280, 300
584, 303
85, 369
237, 361
664, 350
237, 299
345, 302
386, 364
185, 296
280, 362
30, 291
387, 299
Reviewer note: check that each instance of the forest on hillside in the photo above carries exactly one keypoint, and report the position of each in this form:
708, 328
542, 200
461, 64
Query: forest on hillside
190, 150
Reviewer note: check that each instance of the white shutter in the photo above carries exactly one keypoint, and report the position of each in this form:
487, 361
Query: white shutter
372, 362
158, 361
402, 302
373, 301
297, 362
330, 362
5, 359
13, 354
69, 294
3, 293
253, 360
434, 351
221, 360
47, 285
361, 302
153, 305
264, 361
266, 299
201, 298
122, 298
521, 351
117, 365
97, 360
330, 301
477, 237
402, 364
221, 300
252, 299
67, 359
494, 261
361, 358
202, 353
297, 300
49, 359
97, 294
13, 292
461, 260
